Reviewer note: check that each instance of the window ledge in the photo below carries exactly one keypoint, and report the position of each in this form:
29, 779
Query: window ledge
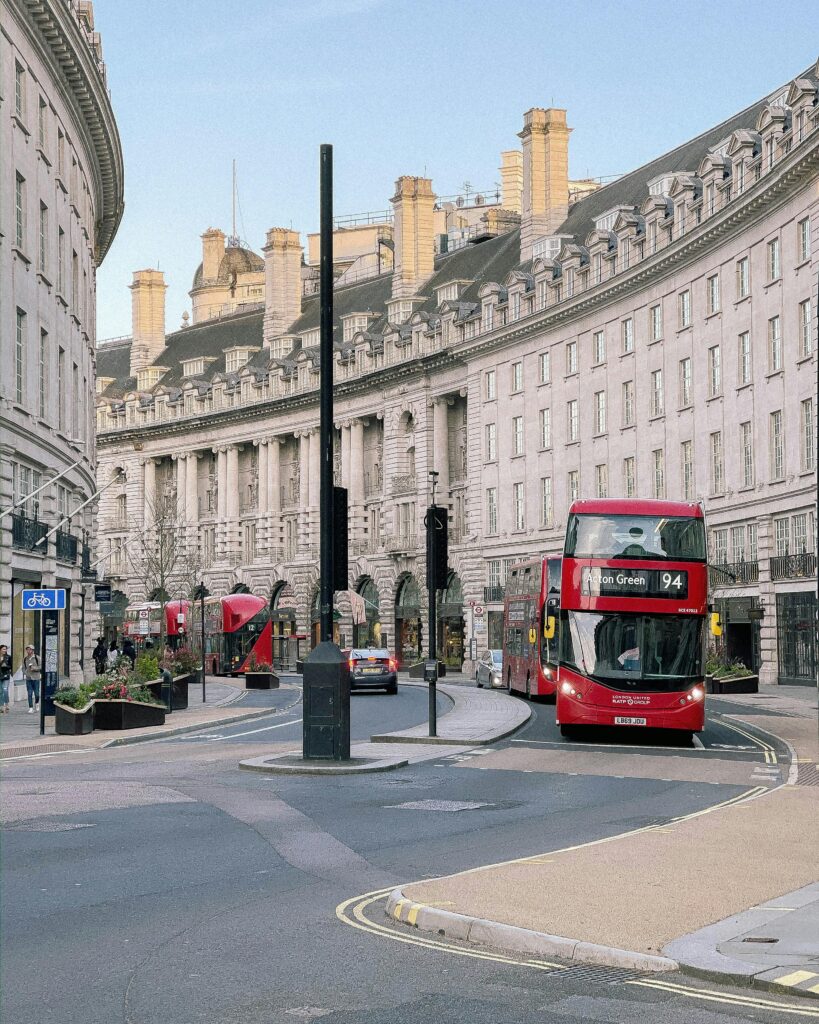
624, 354
76, 319
596, 366
62, 299
568, 376
541, 451
802, 263
744, 298
714, 398
20, 124
627, 426
804, 359
518, 455
775, 280
43, 156
491, 462
656, 417
741, 490
543, 383
774, 373
744, 387
710, 316
777, 480
685, 408
807, 472
61, 183
41, 277
21, 255
603, 433
653, 341
687, 327
570, 444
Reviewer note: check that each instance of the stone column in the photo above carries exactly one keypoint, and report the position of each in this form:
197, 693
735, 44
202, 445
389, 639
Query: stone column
440, 449
149, 493
232, 502
356, 473
314, 485
345, 455
304, 489
274, 496
262, 505
192, 491
221, 503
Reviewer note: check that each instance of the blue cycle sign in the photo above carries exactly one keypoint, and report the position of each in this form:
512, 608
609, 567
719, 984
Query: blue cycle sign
43, 600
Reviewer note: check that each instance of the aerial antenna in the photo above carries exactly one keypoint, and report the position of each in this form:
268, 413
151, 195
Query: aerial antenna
233, 239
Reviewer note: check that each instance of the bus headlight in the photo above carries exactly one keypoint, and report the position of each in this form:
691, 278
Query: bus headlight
570, 691
565, 688
697, 693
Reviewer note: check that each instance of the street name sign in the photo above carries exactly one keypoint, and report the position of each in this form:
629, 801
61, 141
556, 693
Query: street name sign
43, 600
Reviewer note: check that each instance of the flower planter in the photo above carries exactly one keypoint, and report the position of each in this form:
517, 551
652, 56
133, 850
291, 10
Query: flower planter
126, 714
261, 681
73, 721
736, 684
179, 691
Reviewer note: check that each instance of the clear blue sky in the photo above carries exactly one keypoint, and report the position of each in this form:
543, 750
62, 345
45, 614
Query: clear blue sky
399, 87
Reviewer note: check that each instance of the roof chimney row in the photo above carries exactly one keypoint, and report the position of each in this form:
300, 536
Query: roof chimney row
545, 197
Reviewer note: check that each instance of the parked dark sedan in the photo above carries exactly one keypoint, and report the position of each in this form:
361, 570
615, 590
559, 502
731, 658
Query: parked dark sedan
372, 668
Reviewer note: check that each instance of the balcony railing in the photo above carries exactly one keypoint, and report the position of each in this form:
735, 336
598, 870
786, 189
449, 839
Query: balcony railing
66, 547
368, 546
732, 574
403, 484
399, 542
792, 567
493, 593
26, 534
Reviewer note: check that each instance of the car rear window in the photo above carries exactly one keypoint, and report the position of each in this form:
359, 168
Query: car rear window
370, 653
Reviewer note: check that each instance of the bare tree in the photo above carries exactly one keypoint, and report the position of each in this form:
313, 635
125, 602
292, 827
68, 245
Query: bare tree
165, 554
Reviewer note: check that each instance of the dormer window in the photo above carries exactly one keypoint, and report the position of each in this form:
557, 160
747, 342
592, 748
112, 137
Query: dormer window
193, 367
548, 247
148, 377
399, 310
236, 358
661, 185
449, 292
102, 383
353, 323
311, 338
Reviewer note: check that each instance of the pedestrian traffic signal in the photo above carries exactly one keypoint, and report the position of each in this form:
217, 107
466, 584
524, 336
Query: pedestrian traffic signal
437, 555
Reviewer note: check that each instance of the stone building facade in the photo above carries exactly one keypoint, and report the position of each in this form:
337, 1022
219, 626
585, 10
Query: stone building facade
655, 337
61, 201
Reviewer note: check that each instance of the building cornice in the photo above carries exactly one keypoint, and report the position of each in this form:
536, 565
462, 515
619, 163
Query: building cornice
62, 39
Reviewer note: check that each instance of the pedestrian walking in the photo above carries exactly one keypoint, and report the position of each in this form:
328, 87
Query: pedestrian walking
129, 650
5, 676
100, 656
113, 654
31, 671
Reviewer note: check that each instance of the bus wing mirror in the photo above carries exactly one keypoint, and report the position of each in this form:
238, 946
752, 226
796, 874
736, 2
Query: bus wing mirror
716, 627
549, 628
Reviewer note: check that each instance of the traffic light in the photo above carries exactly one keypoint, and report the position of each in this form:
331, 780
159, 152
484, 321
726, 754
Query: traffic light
437, 555
340, 533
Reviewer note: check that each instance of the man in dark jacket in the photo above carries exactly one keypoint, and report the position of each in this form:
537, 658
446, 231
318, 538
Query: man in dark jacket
100, 656
129, 650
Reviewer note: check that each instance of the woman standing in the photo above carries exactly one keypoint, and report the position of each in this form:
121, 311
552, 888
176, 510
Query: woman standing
31, 670
5, 676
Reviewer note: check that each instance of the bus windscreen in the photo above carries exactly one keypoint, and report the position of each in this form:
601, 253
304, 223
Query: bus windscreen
653, 538
642, 653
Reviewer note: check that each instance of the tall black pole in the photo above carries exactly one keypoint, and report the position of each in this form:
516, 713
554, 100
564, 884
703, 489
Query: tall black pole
202, 610
326, 395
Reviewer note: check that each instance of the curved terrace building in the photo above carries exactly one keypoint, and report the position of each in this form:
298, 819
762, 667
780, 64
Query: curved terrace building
61, 202
655, 337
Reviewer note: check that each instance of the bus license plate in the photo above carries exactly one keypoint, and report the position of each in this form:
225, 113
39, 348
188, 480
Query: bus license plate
624, 720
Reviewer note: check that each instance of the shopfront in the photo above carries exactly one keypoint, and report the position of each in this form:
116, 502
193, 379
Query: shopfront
283, 622
369, 633
740, 617
451, 623
408, 631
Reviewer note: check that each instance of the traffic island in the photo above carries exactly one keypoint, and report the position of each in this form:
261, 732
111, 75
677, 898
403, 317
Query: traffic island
294, 764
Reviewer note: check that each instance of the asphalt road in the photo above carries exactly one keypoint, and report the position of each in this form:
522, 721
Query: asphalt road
171, 888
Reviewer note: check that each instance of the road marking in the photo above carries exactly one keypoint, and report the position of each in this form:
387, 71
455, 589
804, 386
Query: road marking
796, 978
603, 747
768, 750
714, 996
267, 728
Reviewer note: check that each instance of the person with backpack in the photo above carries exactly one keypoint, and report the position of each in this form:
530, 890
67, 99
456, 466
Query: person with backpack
31, 671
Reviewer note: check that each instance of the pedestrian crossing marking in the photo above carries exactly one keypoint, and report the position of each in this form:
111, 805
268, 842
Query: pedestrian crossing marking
796, 978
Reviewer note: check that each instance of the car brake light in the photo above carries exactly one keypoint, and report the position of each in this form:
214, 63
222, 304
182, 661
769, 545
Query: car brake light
352, 664
393, 664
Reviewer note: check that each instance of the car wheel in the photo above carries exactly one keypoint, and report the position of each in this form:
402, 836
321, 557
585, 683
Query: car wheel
393, 690
478, 682
568, 731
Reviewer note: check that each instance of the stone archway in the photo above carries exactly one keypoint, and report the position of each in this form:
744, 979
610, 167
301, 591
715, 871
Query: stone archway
408, 629
368, 633
451, 623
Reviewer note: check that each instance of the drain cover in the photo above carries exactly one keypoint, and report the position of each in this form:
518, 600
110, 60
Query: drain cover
594, 972
438, 805
759, 938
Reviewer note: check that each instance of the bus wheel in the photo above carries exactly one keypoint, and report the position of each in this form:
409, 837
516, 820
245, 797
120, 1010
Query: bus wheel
528, 688
568, 731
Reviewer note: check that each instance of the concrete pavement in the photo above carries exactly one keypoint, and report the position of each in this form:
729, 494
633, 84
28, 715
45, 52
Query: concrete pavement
649, 898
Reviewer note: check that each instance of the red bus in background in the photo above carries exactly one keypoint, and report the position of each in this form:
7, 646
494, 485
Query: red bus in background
633, 606
237, 627
142, 621
177, 614
530, 646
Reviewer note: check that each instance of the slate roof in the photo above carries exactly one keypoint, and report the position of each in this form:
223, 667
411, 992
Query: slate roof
487, 261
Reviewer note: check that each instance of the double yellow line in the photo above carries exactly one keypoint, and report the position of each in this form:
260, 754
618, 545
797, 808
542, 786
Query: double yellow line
764, 746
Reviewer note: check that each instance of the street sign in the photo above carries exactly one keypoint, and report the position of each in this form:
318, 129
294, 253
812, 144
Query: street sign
143, 613
43, 600
478, 610
102, 592
143, 628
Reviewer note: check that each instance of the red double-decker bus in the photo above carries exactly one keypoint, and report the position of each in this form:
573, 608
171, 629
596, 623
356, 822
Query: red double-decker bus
237, 628
530, 634
633, 609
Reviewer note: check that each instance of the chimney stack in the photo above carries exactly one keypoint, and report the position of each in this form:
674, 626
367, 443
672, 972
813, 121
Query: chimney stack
282, 284
413, 203
545, 198
147, 317
511, 172
213, 249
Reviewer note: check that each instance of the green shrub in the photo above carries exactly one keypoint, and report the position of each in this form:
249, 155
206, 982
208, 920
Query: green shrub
185, 661
146, 668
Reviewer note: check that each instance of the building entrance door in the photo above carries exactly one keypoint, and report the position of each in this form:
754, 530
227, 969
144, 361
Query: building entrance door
796, 638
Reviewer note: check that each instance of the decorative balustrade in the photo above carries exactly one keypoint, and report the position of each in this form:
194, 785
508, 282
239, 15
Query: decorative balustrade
26, 534
792, 567
400, 542
404, 483
729, 574
66, 547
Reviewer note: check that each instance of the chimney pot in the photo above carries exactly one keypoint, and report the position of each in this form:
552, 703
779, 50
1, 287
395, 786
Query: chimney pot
147, 317
282, 269
413, 234
545, 195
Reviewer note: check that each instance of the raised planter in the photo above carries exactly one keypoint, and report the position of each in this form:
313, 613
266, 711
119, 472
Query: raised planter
179, 690
73, 721
261, 681
733, 684
126, 714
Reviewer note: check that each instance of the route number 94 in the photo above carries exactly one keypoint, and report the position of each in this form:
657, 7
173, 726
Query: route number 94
671, 580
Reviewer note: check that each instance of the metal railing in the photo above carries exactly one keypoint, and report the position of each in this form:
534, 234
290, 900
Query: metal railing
26, 533
729, 574
398, 542
66, 547
494, 592
790, 567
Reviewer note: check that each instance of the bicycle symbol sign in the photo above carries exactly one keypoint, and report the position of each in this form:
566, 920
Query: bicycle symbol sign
43, 600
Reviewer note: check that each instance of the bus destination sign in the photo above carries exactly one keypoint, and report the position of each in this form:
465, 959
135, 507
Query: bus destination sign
600, 581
